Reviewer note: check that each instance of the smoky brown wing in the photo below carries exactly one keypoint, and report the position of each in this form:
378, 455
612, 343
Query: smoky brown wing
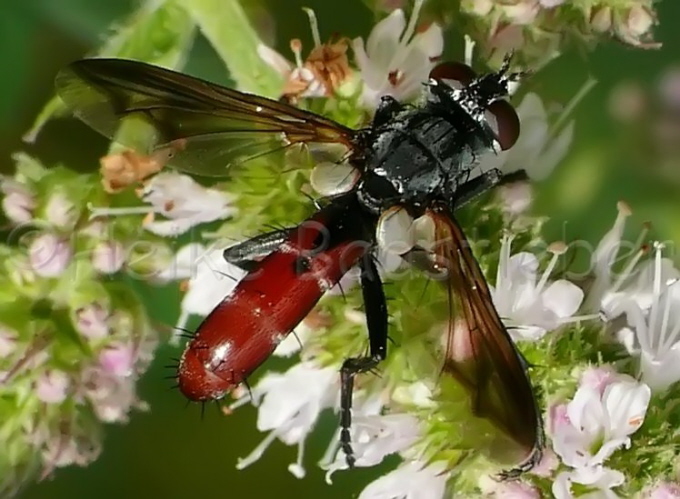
209, 127
489, 366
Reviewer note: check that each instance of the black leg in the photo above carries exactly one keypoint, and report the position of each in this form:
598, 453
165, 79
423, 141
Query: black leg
243, 255
483, 183
387, 109
376, 321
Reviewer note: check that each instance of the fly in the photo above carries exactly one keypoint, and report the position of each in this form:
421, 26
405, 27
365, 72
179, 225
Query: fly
411, 167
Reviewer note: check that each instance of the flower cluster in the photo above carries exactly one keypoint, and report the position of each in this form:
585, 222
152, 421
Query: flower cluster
74, 339
540, 29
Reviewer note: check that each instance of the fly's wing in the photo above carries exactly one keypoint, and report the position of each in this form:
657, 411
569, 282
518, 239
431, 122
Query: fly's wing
480, 353
208, 127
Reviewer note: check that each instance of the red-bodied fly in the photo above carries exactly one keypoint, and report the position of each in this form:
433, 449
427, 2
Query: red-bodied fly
412, 165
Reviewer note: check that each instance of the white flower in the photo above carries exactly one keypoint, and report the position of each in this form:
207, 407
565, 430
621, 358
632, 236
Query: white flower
396, 59
49, 255
184, 265
376, 436
212, 279
653, 312
185, 202
293, 342
411, 480
539, 149
529, 305
598, 421
289, 405
179, 198
598, 481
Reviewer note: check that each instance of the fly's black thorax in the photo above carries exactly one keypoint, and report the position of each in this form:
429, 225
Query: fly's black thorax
421, 154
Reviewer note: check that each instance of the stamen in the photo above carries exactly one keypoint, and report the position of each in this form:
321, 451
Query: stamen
103, 211
411, 27
628, 269
296, 468
504, 261
557, 249
331, 451
673, 337
314, 25
665, 336
469, 50
656, 290
571, 105
296, 48
257, 452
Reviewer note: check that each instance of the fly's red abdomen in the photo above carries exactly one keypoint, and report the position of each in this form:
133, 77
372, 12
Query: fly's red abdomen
245, 328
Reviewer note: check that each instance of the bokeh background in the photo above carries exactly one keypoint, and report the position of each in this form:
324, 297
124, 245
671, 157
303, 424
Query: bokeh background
172, 452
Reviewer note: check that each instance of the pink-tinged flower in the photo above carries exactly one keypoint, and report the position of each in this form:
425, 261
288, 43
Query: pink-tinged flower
598, 481
65, 447
60, 211
49, 255
18, 202
112, 397
289, 405
635, 27
8, 341
653, 313
663, 490
52, 386
92, 321
528, 304
179, 198
411, 480
108, 257
397, 59
669, 88
587, 430
117, 359
598, 378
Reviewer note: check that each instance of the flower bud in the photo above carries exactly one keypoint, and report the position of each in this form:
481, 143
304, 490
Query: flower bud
49, 255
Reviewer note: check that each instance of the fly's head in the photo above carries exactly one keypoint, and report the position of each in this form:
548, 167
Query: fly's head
457, 87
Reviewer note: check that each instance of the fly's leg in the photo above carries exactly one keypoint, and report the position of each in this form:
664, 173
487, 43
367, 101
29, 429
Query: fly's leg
483, 183
387, 108
244, 254
376, 321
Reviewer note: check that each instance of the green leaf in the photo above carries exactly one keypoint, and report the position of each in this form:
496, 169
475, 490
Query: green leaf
159, 33
225, 24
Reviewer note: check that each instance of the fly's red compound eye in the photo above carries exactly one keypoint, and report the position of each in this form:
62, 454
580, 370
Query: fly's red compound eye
455, 74
504, 122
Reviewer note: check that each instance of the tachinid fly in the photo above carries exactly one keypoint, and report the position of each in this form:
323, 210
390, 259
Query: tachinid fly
413, 166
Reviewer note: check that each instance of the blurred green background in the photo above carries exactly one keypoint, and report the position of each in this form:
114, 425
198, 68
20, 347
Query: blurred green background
171, 452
